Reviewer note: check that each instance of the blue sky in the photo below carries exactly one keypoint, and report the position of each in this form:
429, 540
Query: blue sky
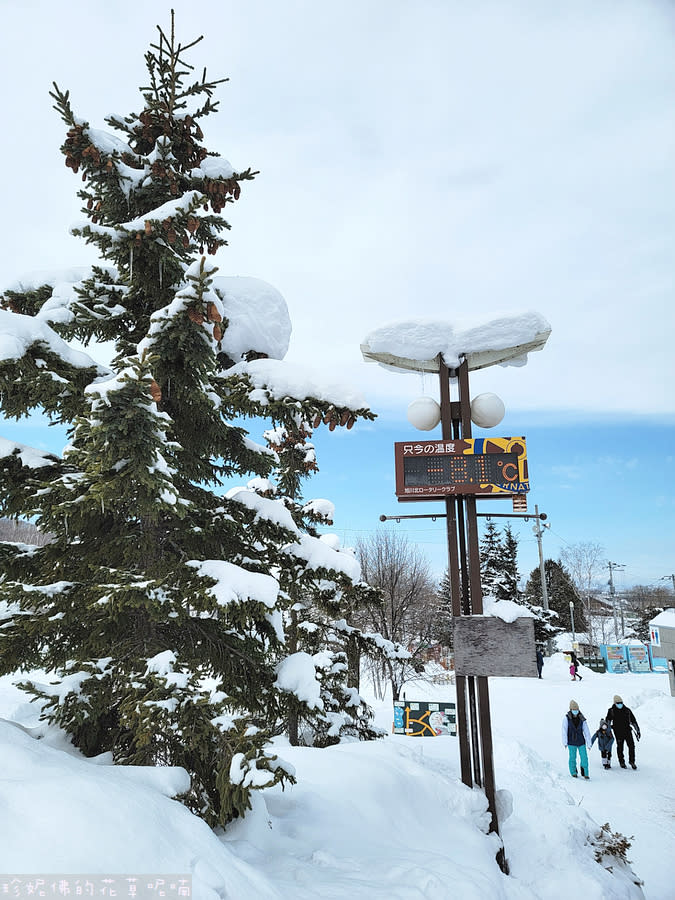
601, 482
441, 160
606, 483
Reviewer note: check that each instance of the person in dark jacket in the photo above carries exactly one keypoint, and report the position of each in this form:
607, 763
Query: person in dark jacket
540, 661
622, 720
605, 739
576, 736
574, 666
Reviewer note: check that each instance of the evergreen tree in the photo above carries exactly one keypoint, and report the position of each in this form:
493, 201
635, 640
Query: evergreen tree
322, 593
157, 605
446, 634
509, 584
499, 563
560, 591
644, 616
492, 573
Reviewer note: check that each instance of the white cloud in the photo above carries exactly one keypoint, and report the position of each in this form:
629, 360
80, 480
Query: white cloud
437, 160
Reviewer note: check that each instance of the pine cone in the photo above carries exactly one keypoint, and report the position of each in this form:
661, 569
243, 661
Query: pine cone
212, 313
217, 332
155, 391
195, 315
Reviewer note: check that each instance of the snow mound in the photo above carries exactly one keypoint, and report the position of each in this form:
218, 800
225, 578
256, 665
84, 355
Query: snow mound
257, 315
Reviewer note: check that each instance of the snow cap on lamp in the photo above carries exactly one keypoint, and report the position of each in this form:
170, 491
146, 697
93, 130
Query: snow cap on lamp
487, 410
424, 413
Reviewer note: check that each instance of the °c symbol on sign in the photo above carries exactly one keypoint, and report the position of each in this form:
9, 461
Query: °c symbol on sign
509, 470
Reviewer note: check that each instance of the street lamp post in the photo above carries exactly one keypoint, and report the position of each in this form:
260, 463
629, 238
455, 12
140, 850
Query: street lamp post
473, 701
574, 637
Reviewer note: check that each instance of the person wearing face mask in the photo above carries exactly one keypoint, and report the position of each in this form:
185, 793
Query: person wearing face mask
622, 720
576, 736
605, 739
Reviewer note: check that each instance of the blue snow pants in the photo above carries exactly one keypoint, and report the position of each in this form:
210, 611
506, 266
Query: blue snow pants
583, 759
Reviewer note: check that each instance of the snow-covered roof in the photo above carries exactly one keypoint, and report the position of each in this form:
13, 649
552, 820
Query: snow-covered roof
665, 618
414, 344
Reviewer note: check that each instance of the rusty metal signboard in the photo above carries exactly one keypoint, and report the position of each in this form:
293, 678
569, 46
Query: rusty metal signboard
486, 645
433, 470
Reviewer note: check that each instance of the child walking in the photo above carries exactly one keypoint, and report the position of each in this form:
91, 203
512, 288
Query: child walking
605, 740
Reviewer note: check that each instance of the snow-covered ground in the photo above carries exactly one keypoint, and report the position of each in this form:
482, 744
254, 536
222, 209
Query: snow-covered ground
386, 819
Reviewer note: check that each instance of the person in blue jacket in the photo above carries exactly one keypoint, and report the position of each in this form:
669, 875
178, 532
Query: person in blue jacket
605, 740
576, 736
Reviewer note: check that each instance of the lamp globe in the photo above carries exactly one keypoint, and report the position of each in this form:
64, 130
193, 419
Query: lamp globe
424, 413
487, 410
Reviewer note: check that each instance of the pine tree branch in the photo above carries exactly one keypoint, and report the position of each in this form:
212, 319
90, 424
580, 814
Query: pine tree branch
62, 104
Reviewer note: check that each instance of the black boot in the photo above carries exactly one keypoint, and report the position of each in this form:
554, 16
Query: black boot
622, 764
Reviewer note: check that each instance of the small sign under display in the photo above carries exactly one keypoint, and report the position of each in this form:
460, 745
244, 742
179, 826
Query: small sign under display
429, 470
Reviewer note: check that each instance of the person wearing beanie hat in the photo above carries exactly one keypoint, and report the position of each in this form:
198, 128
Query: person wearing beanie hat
576, 736
605, 740
621, 719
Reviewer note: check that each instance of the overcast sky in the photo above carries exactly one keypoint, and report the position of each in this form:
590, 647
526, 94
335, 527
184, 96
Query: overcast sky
433, 159
437, 159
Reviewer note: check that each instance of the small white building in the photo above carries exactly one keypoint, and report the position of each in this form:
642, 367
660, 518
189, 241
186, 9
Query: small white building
662, 639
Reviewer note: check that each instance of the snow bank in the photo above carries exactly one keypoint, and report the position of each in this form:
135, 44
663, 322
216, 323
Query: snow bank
385, 819
65, 814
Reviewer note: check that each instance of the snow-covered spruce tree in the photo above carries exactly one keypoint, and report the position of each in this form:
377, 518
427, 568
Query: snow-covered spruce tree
155, 607
560, 590
509, 585
322, 702
446, 632
492, 563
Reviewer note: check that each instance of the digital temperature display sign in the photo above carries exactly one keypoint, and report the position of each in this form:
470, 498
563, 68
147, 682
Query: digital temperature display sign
431, 470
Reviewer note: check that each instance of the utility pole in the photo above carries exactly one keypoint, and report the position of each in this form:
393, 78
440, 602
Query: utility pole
539, 530
611, 566
672, 578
